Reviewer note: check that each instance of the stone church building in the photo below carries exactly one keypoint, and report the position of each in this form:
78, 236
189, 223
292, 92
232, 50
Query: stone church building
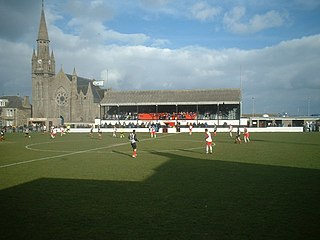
59, 97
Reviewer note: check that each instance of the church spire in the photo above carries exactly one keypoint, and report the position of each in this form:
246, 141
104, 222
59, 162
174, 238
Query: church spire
44, 64
43, 32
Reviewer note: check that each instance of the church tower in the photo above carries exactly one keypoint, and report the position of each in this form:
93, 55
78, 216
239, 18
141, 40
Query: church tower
59, 96
43, 71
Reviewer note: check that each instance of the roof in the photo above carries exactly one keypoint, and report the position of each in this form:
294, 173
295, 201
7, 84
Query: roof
171, 97
13, 101
83, 84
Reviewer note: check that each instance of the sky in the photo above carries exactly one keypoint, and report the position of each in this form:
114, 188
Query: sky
268, 48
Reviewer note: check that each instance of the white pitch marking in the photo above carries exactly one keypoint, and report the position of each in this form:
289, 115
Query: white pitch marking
68, 154
57, 156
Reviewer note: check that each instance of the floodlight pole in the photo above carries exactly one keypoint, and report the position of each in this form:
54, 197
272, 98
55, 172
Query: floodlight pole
240, 102
197, 113
252, 106
107, 77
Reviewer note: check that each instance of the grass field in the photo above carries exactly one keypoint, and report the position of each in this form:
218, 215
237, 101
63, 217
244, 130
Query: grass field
78, 187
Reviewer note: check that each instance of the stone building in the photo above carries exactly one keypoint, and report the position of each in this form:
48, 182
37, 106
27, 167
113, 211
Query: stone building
14, 111
59, 98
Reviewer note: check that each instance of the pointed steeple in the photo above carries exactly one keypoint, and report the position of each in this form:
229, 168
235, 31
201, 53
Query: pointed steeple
89, 90
52, 63
34, 56
61, 69
34, 60
74, 77
45, 63
52, 56
43, 32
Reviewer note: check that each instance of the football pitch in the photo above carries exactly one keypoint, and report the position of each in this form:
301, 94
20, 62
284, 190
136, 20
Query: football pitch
78, 186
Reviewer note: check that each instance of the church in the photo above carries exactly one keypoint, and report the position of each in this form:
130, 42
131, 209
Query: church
60, 98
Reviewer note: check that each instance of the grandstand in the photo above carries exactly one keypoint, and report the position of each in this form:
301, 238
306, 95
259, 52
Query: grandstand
213, 105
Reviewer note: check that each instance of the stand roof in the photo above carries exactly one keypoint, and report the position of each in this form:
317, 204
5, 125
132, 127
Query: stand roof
171, 97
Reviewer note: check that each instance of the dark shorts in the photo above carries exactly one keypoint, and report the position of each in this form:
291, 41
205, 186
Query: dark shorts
133, 145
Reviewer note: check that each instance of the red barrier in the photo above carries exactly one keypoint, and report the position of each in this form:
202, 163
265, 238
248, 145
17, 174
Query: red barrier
166, 116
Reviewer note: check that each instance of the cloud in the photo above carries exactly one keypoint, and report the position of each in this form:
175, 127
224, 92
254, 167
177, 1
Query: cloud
204, 12
154, 3
272, 67
285, 73
96, 10
89, 25
14, 18
15, 68
280, 77
160, 42
233, 21
307, 4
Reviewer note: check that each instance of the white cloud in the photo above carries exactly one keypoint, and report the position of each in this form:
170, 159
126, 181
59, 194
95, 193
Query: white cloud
90, 10
84, 30
233, 21
280, 77
137, 38
160, 42
204, 12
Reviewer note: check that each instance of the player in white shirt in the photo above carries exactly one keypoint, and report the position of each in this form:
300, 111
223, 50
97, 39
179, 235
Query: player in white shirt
53, 132
208, 138
230, 130
62, 131
114, 133
190, 129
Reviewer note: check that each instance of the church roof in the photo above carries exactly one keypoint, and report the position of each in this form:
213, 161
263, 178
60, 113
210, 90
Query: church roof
83, 84
172, 97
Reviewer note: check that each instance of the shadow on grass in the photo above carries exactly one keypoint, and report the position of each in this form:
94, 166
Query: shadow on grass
199, 151
122, 153
186, 198
291, 143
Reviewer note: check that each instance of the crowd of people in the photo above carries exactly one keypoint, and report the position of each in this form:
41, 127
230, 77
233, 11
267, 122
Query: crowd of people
171, 115
21, 129
310, 126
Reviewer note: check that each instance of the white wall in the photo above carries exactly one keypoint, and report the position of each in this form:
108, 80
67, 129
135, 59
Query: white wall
173, 130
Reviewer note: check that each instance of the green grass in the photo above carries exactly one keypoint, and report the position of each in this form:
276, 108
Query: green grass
77, 187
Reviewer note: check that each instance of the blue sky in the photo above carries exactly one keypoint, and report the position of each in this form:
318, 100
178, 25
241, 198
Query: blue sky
272, 47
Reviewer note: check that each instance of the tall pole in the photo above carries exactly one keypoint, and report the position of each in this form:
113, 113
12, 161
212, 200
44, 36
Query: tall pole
197, 114
240, 91
240, 102
252, 106
107, 77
